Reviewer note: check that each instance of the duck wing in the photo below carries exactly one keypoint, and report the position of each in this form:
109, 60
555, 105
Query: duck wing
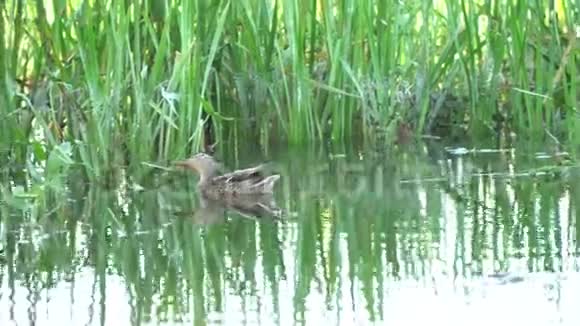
252, 175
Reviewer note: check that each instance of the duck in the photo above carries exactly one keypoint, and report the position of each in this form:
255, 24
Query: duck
212, 184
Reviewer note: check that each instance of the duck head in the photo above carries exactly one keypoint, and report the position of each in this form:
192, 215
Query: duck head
205, 165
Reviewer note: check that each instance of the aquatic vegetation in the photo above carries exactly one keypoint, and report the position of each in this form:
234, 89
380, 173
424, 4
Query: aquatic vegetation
131, 82
98, 97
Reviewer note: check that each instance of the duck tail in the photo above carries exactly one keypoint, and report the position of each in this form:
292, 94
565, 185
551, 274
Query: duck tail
268, 183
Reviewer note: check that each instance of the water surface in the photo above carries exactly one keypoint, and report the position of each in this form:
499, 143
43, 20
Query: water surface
442, 236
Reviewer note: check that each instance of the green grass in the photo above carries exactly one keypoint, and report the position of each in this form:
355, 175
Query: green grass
137, 81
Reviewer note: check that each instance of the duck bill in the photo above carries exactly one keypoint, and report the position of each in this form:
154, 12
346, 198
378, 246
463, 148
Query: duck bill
185, 164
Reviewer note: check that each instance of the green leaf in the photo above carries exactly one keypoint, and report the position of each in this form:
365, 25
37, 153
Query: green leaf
59, 159
39, 151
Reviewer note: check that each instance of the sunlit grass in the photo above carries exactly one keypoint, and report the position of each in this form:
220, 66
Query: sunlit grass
131, 82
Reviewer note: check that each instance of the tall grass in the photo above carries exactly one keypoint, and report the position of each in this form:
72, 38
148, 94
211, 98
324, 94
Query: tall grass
128, 82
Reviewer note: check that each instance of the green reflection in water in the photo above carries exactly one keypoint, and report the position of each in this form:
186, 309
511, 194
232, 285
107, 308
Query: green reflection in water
356, 227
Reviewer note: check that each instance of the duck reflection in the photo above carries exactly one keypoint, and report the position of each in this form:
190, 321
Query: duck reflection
260, 207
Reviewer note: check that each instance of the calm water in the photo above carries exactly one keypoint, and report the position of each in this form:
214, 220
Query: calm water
438, 237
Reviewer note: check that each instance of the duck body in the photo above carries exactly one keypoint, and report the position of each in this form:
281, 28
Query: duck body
212, 184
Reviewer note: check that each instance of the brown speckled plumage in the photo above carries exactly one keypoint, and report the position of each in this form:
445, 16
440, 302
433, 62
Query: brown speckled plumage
241, 182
